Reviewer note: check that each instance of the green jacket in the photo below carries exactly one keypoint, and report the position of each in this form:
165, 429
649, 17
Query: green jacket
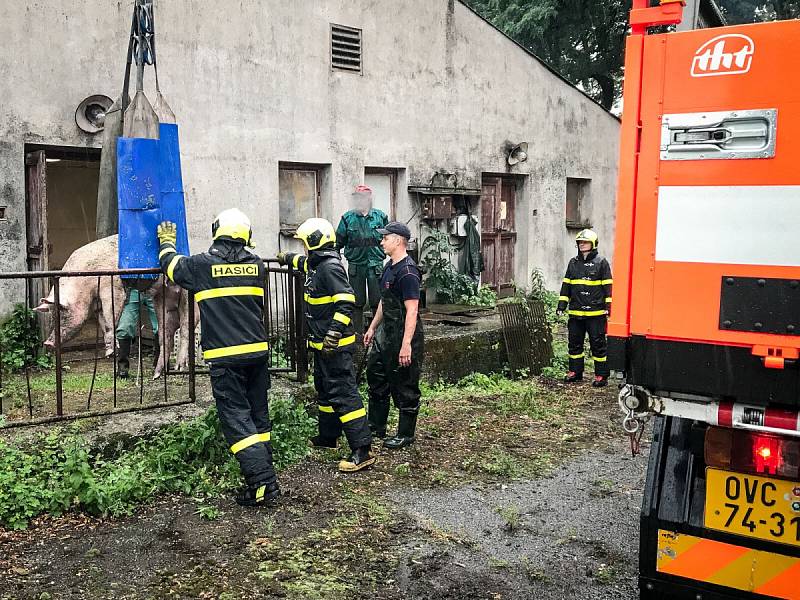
359, 237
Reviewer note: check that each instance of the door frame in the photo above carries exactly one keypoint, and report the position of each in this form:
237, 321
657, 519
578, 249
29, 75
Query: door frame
392, 173
503, 289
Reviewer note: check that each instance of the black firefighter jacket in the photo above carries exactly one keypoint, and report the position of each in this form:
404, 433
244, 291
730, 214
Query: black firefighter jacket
329, 297
228, 283
586, 289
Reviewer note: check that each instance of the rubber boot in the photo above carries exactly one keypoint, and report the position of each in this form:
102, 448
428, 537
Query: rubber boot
600, 381
258, 495
405, 432
378, 415
123, 358
360, 459
573, 377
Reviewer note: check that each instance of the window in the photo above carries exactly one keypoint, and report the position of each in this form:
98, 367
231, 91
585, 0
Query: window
298, 193
383, 184
345, 48
577, 202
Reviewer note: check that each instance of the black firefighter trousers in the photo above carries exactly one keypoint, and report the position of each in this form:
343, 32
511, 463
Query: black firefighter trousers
243, 408
387, 379
577, 328
340, 405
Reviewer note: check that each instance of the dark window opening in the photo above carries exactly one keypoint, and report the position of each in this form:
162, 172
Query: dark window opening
577, 202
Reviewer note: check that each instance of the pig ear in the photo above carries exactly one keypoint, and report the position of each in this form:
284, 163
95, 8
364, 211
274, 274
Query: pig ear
43, 307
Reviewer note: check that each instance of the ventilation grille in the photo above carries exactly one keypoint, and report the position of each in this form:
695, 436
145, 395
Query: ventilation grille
345, 48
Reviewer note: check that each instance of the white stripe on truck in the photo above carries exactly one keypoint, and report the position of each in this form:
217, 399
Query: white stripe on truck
744, 225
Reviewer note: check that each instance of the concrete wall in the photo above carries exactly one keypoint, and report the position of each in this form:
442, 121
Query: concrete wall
251, 85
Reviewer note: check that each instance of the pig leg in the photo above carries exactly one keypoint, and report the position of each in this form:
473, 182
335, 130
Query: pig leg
108, 317
165, 299
183, 348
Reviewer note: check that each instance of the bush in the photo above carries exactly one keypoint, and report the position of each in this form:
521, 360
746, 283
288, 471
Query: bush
21, 341
58, 473
450, 285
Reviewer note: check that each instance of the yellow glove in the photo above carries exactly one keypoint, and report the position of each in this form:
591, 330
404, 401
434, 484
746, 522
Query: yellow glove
167, 232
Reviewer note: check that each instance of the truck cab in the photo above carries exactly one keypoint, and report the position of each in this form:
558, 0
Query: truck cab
704, 333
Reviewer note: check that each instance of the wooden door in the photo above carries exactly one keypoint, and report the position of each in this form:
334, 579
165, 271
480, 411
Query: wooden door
498, 233
38, 243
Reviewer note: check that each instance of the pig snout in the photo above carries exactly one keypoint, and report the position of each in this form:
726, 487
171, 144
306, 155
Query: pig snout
44, 305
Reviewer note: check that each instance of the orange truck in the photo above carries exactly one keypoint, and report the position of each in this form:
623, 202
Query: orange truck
705, 327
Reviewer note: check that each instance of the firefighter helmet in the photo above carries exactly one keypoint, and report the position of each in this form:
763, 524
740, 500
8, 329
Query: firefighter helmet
233, 224
587, 235
316, 233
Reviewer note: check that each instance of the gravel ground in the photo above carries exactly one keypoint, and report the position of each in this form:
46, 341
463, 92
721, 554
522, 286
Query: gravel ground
573, 534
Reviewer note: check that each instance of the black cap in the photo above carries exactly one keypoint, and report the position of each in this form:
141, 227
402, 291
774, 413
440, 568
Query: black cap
396, 227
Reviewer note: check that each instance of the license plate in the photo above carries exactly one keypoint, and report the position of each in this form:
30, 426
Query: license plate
753, 506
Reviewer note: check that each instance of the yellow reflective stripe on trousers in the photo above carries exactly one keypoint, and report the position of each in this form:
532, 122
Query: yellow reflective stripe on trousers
587, 313
166, 251
260, 492
229, 291
607, 281
235, 350
608, 300
326, 409
600, 358
581, 355
356, 414
341, 318
249, 441
563, 298
342, 342
171, 266
586, 281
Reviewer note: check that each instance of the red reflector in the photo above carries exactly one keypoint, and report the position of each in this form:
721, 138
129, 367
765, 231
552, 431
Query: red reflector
738, 450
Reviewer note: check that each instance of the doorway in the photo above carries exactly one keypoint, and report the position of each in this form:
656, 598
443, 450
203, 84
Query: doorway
383, 183
498, 232
61, 203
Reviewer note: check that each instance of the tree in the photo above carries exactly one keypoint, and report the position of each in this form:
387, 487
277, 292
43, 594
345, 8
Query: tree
584, 40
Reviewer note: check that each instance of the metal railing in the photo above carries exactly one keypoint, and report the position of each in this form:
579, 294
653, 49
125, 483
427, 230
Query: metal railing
89, 386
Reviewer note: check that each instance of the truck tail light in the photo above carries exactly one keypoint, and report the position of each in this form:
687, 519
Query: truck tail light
755, 453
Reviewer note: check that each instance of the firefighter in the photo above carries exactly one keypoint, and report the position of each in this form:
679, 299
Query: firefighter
586, 296
357, 234
329, 304
394, 362
228, 283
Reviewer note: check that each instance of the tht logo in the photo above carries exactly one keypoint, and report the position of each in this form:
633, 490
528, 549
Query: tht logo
729, 54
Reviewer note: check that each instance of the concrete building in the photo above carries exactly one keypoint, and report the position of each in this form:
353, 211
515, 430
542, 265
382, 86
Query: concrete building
284, 107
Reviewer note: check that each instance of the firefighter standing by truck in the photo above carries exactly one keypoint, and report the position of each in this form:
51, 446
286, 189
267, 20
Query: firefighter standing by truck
228, 283
357, 234
329, 305
394, 362
586, 297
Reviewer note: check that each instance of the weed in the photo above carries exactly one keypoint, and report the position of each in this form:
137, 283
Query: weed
498, 563
605, 574
403, 469
60, 473
21, 341
208, 512
511, 517
602, 488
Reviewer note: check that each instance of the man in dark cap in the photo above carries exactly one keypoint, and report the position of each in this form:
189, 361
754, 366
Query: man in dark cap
394, 362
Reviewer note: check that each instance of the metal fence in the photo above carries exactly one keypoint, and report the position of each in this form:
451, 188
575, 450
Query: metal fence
85, 380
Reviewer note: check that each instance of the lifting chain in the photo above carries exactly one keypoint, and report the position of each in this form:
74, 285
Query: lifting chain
632, 423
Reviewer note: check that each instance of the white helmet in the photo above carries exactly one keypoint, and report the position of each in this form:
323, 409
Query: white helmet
233, 224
